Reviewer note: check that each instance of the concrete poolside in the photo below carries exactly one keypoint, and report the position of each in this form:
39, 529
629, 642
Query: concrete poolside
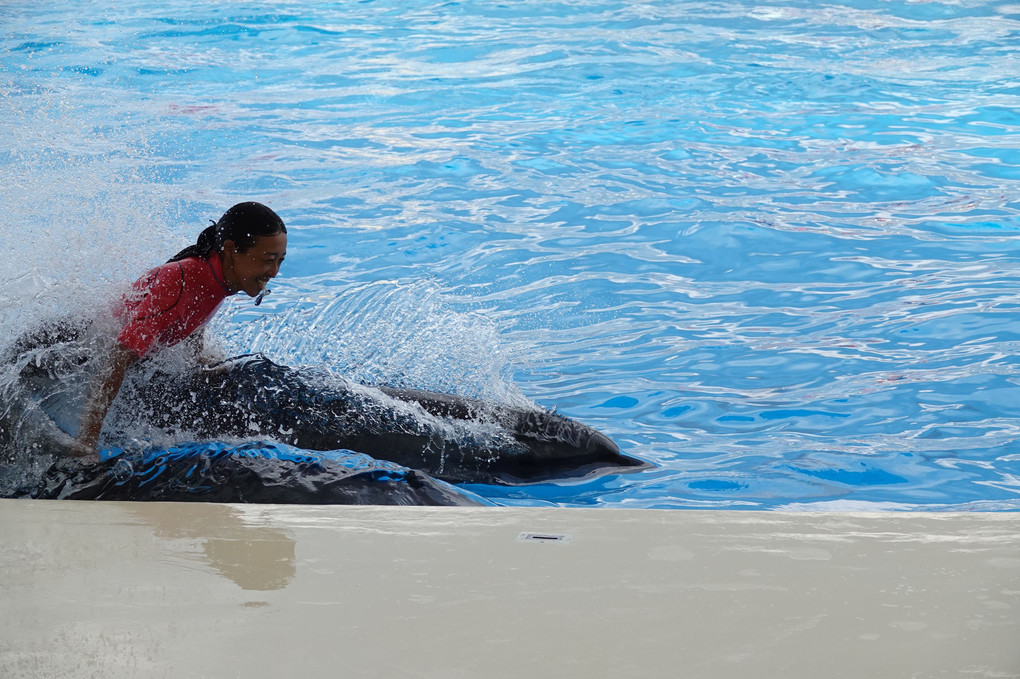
106, 589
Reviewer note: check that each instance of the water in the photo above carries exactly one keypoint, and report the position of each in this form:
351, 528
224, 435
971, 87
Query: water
768, 246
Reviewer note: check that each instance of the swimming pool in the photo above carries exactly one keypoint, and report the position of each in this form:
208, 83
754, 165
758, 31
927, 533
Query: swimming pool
769, 247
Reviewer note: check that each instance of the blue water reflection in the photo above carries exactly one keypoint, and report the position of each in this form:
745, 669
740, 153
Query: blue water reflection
770, 247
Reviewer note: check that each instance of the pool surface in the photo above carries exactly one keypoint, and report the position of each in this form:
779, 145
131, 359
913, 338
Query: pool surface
770, 247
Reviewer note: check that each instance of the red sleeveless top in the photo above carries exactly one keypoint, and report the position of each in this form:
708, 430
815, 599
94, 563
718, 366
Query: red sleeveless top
170, 302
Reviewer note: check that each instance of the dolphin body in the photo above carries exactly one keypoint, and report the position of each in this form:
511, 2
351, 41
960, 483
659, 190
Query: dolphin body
251, 396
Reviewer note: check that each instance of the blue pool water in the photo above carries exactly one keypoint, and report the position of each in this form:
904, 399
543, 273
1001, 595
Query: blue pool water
768, 246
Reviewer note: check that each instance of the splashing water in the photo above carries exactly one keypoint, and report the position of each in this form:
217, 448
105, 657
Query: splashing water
86, 214
79, 221
400, 334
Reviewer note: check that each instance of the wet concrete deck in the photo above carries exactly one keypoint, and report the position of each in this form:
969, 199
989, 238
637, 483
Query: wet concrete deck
201, 590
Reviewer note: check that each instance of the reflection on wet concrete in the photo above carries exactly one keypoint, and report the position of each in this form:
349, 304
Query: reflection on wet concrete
255, 556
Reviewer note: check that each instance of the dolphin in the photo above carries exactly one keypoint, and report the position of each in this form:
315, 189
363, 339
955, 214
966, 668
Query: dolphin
251, 396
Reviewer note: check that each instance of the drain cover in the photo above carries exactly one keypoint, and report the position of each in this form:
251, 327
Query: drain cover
544, 537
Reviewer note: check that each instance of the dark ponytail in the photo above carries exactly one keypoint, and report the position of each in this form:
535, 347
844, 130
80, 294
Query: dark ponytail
241, 224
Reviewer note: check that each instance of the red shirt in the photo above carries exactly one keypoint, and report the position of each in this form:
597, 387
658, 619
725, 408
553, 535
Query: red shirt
170, 302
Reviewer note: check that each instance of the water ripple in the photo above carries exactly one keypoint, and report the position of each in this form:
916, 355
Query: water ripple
769, 247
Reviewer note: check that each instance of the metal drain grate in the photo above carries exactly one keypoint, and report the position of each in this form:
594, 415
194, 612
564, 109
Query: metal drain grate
544, 537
